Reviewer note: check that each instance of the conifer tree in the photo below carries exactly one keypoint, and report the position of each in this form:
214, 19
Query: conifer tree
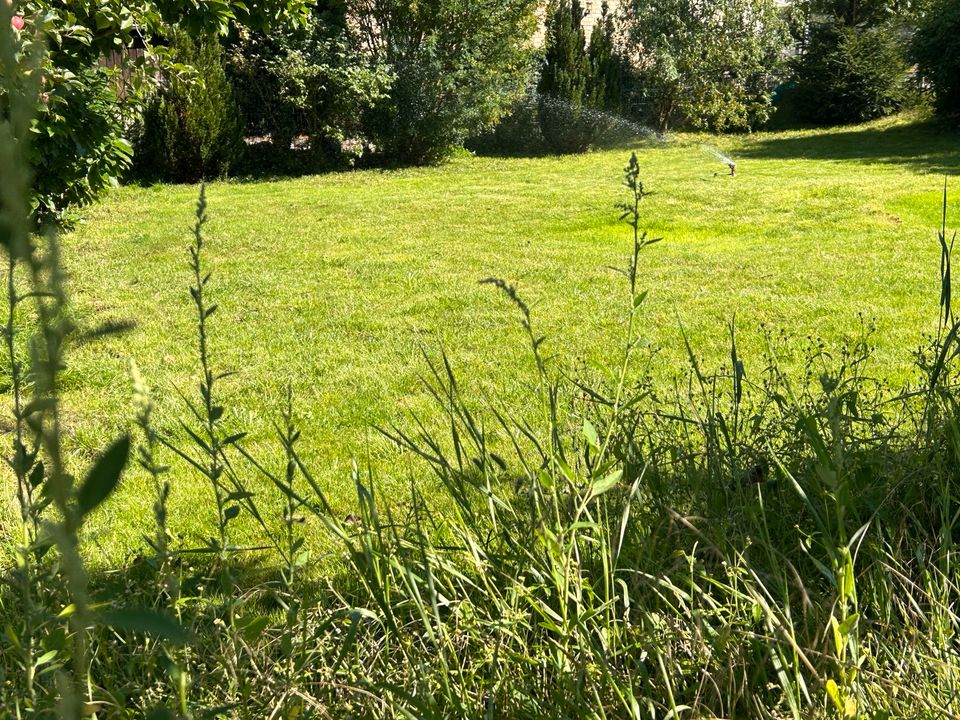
566, 67
605, 86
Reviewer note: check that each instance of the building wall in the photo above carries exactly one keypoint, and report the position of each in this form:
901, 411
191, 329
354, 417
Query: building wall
592, 14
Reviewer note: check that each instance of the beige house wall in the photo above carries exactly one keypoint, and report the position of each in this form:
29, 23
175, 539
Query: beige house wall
592, 14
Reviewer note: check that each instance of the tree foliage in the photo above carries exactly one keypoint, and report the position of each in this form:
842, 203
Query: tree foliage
565, 70
307, 80
853, 13
605, 89
847, 74
191, 128
936, 48
710, 65
79, 147
456, 64
580, 89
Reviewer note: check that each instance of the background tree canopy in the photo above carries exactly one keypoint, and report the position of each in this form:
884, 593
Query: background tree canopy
79, 147
457, 65
709, 65
936, 49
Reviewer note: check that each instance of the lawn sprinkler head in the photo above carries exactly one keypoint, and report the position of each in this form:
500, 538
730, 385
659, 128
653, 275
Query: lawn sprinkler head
728, 161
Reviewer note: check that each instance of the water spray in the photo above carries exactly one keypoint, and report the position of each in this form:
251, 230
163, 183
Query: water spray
729, 162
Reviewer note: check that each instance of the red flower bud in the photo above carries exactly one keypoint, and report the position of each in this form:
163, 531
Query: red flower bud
17, 23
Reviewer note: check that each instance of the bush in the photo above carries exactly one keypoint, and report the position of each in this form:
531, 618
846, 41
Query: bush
84, 109
78, 149
580, 87
849, 75
564, 75
457, 68
303, 81
191, 129
606, 86
707, 65
936, 49
517, 133
572, 129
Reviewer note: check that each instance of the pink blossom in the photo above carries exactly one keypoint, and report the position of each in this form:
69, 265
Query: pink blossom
17, 22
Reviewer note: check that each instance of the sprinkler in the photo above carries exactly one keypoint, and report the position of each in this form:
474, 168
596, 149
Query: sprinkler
729, 162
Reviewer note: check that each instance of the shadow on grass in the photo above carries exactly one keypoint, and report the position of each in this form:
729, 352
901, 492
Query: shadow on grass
924, 147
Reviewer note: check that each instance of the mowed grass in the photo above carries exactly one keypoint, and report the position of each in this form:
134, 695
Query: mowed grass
337, 284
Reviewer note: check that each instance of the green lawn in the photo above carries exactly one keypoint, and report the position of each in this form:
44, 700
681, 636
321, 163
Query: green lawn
337, 283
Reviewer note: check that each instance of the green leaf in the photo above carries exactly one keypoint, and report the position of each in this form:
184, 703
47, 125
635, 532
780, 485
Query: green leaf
37, 406
45, 658
36, 475
252, 626
590, 433
103, 476
605, 484
146, 621
834, 692
231, 512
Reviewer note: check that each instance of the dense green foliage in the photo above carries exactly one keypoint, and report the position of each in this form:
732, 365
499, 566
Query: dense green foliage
191, 127
847, 74
707, 65
565, 71
580, 87
936, 48
607, 72
564, 79
456, 66
304, 82
859, 13
86, 108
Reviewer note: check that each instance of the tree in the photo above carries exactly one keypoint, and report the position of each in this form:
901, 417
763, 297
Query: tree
848, 74
457, 65
566, 68
79, 147
710, 65
307, 80
936, 49
853, 13
605, 87
564, 79
191, 128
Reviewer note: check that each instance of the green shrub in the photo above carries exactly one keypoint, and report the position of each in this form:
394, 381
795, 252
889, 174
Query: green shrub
606, 86
517, 133
85, 109
580, 88
457, 67
564, 75
303, 82
936, 48
847, 74
708, 65
191, 129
